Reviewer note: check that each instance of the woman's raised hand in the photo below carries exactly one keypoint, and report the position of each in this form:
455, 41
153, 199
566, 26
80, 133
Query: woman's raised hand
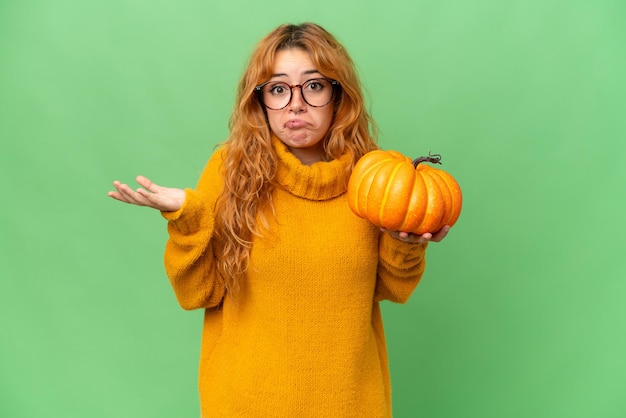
152, 195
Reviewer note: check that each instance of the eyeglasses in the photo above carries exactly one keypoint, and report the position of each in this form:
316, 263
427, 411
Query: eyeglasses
276, 95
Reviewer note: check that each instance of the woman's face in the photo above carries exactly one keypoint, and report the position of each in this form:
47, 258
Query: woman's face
299, 126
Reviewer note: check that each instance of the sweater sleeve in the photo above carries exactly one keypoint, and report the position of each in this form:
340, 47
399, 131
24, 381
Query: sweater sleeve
400, 269
189, 258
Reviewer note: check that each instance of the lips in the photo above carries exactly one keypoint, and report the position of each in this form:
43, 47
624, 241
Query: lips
295, 124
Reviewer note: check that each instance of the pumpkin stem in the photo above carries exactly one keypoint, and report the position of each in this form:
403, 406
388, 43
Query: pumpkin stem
432, 158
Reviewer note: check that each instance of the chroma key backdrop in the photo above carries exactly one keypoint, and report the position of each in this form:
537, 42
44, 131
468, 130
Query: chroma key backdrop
522, 309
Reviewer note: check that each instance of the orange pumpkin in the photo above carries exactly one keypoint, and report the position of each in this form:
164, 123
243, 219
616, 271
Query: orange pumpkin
391, 191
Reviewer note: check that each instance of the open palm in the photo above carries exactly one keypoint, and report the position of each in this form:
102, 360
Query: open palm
166, 199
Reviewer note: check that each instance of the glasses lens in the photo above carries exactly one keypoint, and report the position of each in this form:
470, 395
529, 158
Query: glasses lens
317, 92
276, 95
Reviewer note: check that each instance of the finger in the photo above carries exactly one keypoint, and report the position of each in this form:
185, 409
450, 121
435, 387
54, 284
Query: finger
441, 234
426, 236
408, 237
148, 184
124, 190
143, 197
116, 186
116, 196
149, 199
121, 193
131, 196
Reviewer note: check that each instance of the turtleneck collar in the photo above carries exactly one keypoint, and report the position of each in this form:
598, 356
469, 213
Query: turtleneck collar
319, 181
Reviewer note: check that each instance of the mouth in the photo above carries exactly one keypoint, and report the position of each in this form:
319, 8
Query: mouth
295, 124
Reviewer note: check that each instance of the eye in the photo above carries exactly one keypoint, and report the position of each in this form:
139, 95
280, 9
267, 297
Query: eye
316, 85
277, 89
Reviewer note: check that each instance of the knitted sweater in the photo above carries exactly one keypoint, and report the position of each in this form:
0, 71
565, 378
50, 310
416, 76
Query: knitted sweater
303, 336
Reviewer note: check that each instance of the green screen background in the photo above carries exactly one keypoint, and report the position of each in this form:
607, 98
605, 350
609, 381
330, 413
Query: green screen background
522, 310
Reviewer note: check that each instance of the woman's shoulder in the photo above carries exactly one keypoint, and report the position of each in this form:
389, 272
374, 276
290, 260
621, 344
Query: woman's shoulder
217, 157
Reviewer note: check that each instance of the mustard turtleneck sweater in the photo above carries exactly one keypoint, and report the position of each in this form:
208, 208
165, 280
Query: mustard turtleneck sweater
304, 336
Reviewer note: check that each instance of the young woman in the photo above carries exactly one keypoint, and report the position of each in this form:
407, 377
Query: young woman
289, 278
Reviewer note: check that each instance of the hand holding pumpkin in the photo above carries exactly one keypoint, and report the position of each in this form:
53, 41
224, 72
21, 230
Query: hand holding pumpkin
397, 194
419, 239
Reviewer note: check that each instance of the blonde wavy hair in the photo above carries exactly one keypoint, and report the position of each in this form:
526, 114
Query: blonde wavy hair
249, 159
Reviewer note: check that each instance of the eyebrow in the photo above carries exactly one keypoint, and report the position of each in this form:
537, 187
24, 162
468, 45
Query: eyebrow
307, 72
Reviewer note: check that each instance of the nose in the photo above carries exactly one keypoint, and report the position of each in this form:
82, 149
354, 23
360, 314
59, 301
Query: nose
297, 103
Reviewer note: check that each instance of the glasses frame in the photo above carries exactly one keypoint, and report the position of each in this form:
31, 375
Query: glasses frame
259, 91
